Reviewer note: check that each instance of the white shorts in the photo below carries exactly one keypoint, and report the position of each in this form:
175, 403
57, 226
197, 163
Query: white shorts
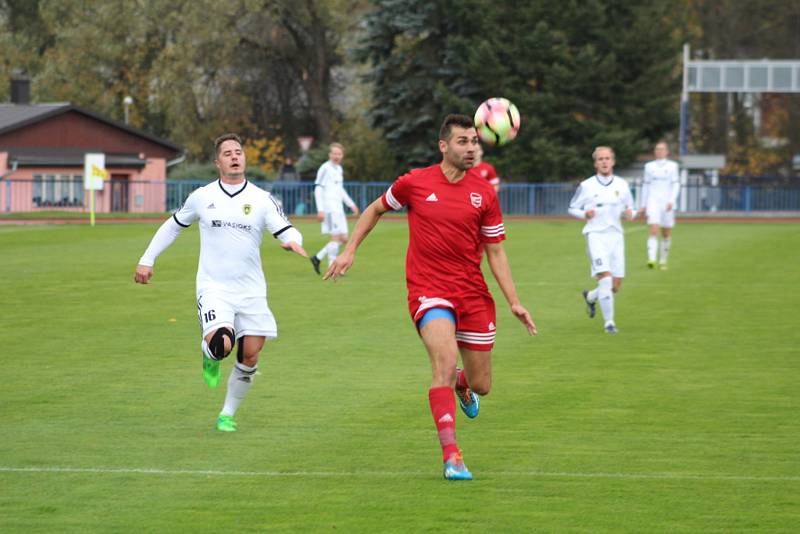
606, 252
659, 215
248, 316
335, 223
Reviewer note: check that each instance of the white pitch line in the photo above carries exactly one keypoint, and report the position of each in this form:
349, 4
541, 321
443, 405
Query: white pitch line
370, 474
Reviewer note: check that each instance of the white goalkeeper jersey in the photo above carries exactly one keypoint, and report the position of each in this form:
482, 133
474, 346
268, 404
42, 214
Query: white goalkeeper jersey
329, 190
661, 184
608, 196
232, 222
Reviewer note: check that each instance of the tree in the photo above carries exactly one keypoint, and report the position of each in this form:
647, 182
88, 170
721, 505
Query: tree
582, 74
23, 38
405, 46
194, 68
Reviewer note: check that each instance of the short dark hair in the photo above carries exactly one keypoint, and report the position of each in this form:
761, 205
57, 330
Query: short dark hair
454, 119
226, 137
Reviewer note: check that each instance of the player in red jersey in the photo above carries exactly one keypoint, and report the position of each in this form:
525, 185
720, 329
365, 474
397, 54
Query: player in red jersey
486, 170
452, 213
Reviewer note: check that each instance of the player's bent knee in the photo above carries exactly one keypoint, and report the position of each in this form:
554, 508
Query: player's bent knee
221, 343
481, 389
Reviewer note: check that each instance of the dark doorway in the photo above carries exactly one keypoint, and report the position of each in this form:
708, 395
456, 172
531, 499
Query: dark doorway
119, 192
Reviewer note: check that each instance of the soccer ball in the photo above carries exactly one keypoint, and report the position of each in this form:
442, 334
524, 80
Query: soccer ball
497, 121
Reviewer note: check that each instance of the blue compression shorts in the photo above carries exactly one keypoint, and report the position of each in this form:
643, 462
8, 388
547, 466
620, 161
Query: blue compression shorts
436, 313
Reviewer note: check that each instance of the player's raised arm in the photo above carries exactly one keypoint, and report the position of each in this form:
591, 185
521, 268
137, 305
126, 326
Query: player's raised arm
369, 218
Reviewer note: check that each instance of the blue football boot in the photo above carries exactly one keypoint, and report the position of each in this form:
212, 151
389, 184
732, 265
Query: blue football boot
470, 403
454, 468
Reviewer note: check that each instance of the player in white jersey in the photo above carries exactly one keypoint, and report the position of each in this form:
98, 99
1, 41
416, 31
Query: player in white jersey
231, 289
659, 194
329, 195
602, 201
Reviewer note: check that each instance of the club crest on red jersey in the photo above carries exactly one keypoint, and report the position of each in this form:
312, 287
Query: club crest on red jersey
476, 199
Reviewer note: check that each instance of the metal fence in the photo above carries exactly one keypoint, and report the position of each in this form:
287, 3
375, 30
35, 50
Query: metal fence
298, 197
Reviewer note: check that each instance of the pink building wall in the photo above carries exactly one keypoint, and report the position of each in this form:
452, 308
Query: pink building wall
148, 192
146, 188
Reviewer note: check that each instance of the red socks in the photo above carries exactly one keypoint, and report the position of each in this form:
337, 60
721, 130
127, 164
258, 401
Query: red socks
461, 379
443, 408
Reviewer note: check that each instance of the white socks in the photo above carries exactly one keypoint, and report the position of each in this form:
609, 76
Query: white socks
205, 349
652, 248
331, 249
655, 251
606, 298
665, 250
239, 384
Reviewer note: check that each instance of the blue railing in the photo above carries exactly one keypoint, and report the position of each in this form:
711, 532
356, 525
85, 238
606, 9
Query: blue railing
298, 197
748, 198
530, 199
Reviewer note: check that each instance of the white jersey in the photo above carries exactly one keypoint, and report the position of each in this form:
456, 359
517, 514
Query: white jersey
608, 196
661, 185
329, 190
231, 227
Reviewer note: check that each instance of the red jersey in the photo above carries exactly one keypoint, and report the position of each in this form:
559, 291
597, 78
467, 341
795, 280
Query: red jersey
448, 224
487, 172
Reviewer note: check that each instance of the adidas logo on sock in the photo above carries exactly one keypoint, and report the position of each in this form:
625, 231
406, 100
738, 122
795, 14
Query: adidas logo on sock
446, 418
432, 198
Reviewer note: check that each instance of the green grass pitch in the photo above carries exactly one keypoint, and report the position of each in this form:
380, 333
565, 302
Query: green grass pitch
687, 421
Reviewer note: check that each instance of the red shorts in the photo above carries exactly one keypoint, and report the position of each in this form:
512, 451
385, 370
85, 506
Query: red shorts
475, 318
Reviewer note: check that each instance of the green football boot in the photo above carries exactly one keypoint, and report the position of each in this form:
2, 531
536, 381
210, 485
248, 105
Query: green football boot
225, 423
211, 371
